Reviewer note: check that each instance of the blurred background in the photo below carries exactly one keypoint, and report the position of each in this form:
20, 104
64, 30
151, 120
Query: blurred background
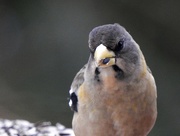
43, 43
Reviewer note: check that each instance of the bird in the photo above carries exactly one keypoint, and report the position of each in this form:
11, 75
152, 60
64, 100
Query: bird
114, 94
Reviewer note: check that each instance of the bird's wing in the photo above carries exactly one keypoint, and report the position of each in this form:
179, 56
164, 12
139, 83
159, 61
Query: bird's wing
77, 82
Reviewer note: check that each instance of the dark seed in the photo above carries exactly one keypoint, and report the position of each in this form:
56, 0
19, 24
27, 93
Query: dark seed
106, 60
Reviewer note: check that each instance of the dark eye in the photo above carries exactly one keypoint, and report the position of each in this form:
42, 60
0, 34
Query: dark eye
120, 45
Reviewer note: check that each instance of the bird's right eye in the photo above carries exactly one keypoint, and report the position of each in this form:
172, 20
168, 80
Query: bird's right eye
120, 45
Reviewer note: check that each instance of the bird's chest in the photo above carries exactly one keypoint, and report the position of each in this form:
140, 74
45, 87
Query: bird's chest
108, 83
111, 106
113, 111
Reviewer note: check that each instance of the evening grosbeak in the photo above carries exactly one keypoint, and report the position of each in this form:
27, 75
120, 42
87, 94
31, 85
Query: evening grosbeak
114, 94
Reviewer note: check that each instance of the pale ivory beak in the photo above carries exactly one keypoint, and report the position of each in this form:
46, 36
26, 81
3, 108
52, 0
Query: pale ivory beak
104, 57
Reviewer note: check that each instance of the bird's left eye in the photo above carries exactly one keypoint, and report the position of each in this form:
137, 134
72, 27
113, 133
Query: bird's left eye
120, 45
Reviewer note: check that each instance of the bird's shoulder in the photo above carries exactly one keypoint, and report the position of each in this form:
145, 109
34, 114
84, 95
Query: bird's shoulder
77, 82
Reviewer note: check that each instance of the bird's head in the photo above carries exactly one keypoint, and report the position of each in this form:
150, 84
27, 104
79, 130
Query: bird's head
111, 45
